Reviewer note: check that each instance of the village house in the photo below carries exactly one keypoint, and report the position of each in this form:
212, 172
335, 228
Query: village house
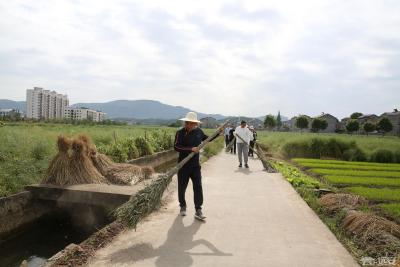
333, 123
291, 124
394, 118
209, 122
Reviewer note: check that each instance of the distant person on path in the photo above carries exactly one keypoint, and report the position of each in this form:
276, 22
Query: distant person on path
243, 147
252, 142
232, 137
187, 140
226, 134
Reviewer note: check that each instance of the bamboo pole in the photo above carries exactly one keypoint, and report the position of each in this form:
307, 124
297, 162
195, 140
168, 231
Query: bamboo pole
268, 167
149, 198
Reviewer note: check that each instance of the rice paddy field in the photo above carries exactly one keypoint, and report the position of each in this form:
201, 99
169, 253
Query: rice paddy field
26, 149
377, 182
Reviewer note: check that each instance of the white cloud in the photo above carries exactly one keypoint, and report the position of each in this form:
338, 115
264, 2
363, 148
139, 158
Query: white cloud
247, 57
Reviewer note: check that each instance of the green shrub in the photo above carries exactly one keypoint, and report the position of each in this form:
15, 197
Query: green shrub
118, 152
319, 147
296, 149
397, 156
382, 156
132, 150
143, 146
40, 151
354, 154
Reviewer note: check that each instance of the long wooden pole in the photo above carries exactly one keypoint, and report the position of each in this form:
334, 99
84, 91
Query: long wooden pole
268, 167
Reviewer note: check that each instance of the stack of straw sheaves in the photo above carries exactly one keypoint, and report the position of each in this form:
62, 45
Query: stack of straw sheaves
78, 162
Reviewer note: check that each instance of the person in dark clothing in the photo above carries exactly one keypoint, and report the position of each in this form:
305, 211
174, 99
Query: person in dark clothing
187, 140
231, 137
252, 142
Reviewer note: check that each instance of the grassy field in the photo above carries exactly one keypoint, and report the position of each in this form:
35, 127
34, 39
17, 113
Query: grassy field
26, 149
379, 183
335, 146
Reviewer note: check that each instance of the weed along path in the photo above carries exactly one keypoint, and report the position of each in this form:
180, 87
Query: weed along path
254, 218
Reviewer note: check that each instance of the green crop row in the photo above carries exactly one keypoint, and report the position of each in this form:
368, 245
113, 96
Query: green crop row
350, 167
359, 173
392, 209
364, 181
342, 162
376, 194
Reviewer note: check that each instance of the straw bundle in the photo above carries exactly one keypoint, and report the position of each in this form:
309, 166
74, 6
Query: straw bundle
376, 233
82, 168
58, 171
128, 174
101, 162
335, 202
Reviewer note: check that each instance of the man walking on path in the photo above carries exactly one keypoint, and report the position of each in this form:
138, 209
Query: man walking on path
226, 134
187, 140
231, 138
243, 147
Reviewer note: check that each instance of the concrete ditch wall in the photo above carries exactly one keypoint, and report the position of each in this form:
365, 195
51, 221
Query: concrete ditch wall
156, 160
18, 211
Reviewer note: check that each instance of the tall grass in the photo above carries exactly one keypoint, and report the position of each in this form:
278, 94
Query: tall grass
336, 146
27, 148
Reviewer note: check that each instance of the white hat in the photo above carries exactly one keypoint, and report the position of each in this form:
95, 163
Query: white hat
251, 127
191, 116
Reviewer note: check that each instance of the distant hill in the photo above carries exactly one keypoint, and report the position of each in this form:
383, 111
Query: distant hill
139, 111
142, 109
6, 104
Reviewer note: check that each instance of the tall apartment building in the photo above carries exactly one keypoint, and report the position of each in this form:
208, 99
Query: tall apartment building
45, 104
83, 114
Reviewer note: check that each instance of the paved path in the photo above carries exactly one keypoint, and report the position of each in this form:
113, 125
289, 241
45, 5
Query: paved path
254, 219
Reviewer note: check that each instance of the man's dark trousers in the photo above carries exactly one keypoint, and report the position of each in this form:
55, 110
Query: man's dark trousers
193, 173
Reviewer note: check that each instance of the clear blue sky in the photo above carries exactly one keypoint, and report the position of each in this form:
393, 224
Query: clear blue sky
230, 57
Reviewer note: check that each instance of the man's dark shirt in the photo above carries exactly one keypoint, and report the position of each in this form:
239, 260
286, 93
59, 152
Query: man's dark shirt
185, 141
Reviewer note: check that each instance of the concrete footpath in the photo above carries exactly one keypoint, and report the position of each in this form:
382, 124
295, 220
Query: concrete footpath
253, 219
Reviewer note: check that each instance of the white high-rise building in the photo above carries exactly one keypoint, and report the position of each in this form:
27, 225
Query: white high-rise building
84, 114
45, 104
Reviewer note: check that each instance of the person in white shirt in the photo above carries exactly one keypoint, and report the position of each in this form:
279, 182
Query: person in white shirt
243, 147
226, 133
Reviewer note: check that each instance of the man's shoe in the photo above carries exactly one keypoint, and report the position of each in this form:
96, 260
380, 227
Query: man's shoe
183, 211
247, 166
240, 165
199, 215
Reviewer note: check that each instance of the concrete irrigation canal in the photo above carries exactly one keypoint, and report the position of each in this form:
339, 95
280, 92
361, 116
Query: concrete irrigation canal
41, 221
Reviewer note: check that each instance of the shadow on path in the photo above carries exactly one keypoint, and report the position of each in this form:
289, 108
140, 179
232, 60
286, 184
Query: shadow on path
174, 252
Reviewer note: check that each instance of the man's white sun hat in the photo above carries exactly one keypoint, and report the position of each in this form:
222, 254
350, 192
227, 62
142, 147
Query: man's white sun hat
191, 116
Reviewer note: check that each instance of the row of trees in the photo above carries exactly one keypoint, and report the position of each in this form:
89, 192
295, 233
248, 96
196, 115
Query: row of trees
384, 125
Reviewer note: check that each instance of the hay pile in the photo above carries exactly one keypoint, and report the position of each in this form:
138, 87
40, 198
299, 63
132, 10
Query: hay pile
78, 162
336, 202
375, 233
59, 168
